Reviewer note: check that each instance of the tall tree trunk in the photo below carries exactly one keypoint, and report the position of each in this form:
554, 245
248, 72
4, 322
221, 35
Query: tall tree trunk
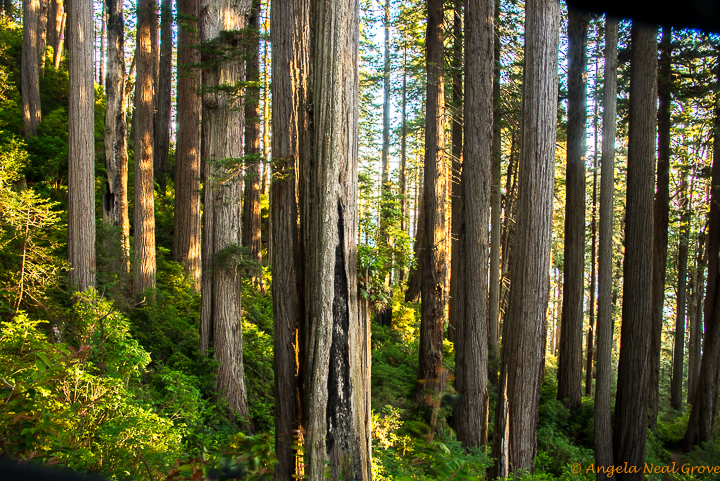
403, 157
494, 308
115, 199
221, 314
144, 215
163, 101
525, 323
186, 241
631, 401
571, 335
661, 214
81, 148
103, 22
605, 323
702, 415
457, 303
290, 48
676, 388
696, 321
29, 68
412, 294
472, 354
337, 388
433, 289
251, 204
56, 28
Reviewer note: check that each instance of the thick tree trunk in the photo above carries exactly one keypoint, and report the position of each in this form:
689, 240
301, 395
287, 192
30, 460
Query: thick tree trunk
56, 29
251, 204
660, 234
525, 323
702, 415
337, 388
605, 323
115, 198
290, 48
103, 23
472, 354
631, 401
144, 215
221, 314
457, 303
571, 336
433, 289
30, 68
163, 99
186, 241
494, 308
81, 149
676, 388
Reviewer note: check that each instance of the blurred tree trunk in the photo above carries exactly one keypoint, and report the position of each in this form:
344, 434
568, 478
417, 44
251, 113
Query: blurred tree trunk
661, 214
81, 148
571, 327
144, 215
103, 23
515, 441
186, 241
115, 198
56, 30
605, 323
630, 431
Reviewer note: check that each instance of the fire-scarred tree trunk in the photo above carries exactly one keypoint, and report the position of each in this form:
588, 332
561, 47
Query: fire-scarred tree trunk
115, 198
289, 90
700, 424
253, 136
571, 328
163, 99
144, 215
661, 213
605, 324
221, 314
337, 370
472, 353
525, 323
631, 401
81, 152
186, 241
30, 67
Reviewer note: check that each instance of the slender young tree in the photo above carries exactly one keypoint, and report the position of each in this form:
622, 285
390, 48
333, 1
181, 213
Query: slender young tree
403, 156
700, 424
30, 67
515, 442
676, 387
571, 328
163, 100
253, 137
696, 320
472, 354
81, 148
289, 90
144, 215
186, 241
605, 324
337, 369
631, 402
115, 198
221, 22
661, 213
